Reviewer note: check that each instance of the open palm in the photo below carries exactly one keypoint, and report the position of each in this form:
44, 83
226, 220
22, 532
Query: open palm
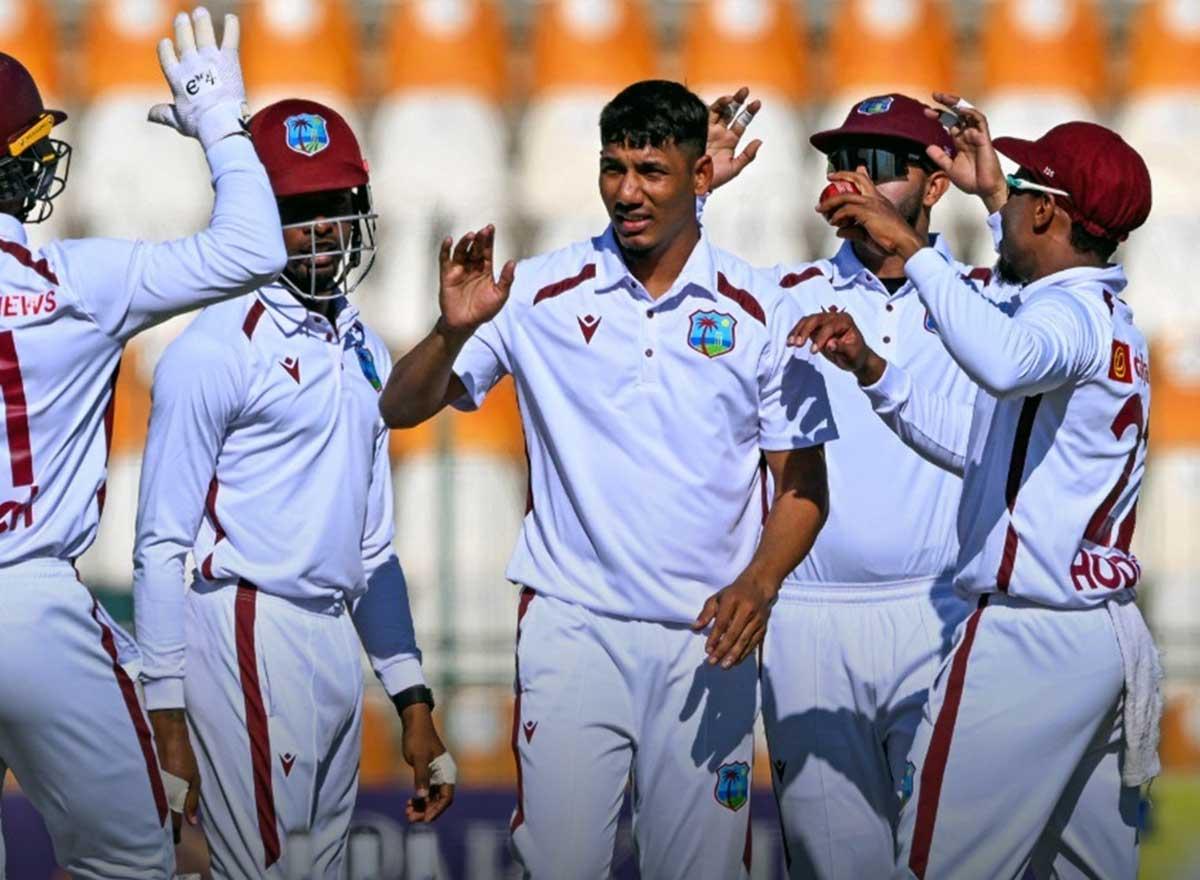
470, 294
728, 117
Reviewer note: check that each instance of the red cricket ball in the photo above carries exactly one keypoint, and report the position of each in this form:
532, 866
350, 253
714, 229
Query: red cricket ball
838, 186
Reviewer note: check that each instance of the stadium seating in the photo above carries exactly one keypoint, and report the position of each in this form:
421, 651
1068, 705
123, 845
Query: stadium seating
584, 52
875, 47
760, 43
301, 48
1044, 62
438, 152
1162, 119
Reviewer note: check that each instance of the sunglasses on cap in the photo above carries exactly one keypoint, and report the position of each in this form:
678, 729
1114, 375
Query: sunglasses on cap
882, 164
1020, 185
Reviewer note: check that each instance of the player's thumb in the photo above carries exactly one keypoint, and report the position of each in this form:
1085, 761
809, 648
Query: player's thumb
421, 776
164, 114
191, 807
708, 613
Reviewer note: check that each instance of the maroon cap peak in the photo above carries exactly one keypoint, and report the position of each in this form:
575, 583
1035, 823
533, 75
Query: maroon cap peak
894, 116
1108, 182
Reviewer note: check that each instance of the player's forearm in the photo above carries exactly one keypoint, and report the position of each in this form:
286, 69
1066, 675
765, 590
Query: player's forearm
159, 594
421, 382
935, 428
798, 511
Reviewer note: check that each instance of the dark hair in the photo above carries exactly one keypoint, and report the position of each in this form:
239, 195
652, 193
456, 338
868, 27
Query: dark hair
1086, 243
653, 113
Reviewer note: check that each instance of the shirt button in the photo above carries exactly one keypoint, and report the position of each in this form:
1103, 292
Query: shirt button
889, 308
649, 313
887, 339
649, 352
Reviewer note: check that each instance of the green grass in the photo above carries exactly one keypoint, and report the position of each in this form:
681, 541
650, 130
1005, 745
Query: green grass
1171, 851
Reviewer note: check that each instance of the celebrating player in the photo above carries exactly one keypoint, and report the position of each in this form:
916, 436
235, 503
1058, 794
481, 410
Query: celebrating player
1043, 721
869, 614
267, 459
71, 727
651, 379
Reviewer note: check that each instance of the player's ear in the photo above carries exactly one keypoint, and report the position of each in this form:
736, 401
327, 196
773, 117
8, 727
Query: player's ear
936, 186
702, 174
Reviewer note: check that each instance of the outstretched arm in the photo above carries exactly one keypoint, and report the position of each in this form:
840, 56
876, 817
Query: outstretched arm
936, 428
423, 382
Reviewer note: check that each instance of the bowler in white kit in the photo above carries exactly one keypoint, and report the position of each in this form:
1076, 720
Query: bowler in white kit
1043, 722
268, 461
72, 729
653, 377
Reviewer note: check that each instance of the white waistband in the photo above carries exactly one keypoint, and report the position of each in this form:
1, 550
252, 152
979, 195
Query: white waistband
330, 606
885, 591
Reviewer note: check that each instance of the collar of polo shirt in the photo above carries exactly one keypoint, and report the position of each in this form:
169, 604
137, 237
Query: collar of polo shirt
698, 276
848, 268
292, 316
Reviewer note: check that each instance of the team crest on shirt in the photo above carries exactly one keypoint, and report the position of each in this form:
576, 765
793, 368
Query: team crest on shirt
930, 324
307, 133
906, 784
711, 333
733, 785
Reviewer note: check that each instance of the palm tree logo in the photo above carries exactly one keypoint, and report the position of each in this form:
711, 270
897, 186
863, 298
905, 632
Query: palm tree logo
306, 133
711, 333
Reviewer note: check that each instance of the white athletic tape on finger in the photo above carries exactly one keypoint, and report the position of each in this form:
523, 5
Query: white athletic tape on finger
443, 770
744, 118
964, 104
177, 789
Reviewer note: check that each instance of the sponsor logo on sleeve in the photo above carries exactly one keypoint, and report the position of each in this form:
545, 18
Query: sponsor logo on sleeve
1120, 367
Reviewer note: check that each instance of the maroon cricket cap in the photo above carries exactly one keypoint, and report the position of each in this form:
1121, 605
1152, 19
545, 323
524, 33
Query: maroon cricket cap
886, 116
22, 104
307, 147
1107, 179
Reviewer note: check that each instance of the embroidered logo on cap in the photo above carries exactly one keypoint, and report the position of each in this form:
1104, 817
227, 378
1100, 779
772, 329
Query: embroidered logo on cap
307, 133
874, 106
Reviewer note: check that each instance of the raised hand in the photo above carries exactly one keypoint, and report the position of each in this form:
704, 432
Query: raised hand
975, 167
866, 214
728, 117
205, 80
470, 295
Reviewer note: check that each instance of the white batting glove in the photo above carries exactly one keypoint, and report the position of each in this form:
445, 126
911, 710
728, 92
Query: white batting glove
206, 81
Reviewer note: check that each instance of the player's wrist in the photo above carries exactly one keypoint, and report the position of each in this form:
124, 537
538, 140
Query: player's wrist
871, 370
455, 336
413, 702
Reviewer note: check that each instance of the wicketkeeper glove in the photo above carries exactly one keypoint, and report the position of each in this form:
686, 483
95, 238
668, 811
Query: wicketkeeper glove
206, 81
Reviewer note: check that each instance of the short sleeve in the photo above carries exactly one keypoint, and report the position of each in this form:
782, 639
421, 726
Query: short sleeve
482, 362
793, 409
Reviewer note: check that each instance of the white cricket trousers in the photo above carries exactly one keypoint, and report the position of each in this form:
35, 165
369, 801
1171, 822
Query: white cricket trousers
846, 672
602, 701
1018, 756
73, 731
274, 705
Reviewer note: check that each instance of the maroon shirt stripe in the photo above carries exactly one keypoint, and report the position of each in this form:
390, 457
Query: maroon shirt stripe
936, 756
559, 287
134, 708
252, 316
742, 297
1016, 470
256, 720
793, 278
25, 258
519, 814
16, 413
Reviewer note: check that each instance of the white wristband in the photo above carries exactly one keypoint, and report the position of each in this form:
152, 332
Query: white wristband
443, 770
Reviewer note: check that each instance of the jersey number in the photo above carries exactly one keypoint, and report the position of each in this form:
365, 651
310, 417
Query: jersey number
16, 413
1131, 415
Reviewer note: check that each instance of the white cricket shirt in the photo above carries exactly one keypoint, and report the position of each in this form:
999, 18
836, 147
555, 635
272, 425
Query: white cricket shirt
645, 422
66, 313
892, 514
267, 459
1053, 455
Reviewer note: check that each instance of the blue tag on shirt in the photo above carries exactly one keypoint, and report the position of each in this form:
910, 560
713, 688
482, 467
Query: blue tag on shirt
367, 362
